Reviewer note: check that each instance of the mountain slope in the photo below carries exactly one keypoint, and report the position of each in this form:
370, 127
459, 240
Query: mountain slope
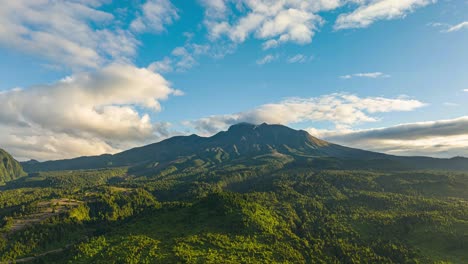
243, 141
253, 194
10, 169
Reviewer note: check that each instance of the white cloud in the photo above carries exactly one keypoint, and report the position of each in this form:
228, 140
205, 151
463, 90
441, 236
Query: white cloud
290, 25
465, 90
278, 22
154, 16
367, 14
462, 25
340, 109
447, 28
95, 107
267, 59
269, 44
61, 31
366, 75
441, 138
164, 65
275, 22
44, 145
298, 58
186, 60
181, 59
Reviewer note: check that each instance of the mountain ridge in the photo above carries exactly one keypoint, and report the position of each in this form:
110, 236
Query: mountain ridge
241, 140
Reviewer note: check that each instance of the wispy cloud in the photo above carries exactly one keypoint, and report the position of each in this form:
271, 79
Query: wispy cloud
447, 28
366, 75
181, 59
269, 44
462, 25
267, 59
154, 16
162, 66
372, 11
299, 58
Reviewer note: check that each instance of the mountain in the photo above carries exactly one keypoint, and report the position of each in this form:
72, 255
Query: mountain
251, 194
10, 169
245, 141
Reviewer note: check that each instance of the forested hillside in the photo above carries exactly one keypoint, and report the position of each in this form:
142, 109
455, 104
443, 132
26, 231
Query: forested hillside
10, 169
272, 203
267, 212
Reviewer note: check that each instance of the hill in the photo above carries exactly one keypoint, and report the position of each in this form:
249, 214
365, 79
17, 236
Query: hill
251, 194
10, 169
245, 141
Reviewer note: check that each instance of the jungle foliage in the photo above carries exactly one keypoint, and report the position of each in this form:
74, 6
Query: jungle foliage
253, 194
269, 213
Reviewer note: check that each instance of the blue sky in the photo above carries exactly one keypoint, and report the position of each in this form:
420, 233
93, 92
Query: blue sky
86, 77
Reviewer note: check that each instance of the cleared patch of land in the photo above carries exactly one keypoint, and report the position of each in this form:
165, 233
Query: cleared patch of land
44, 210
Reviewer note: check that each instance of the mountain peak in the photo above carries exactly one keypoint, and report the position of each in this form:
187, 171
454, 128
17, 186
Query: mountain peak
242, 126
243, 140
251, 138
245, 126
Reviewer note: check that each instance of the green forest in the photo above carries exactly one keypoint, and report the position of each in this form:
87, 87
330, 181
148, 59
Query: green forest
265, 194
265, 213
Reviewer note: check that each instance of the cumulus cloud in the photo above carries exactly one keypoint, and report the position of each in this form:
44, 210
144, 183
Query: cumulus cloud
155, 15
366, 75
77, 34
44, 145
340, 109
372, 11
275, 22
441, 138
83, 34
267, 59
61, 31
99, 107
278, 22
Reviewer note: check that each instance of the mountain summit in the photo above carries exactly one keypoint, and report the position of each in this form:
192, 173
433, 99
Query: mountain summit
240, 141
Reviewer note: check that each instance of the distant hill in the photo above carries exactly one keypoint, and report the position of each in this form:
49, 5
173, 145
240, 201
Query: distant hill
244, 142
10, 169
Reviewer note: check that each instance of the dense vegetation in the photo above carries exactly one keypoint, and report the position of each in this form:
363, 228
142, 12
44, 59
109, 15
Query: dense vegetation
10, 169
266, 213
274, 207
